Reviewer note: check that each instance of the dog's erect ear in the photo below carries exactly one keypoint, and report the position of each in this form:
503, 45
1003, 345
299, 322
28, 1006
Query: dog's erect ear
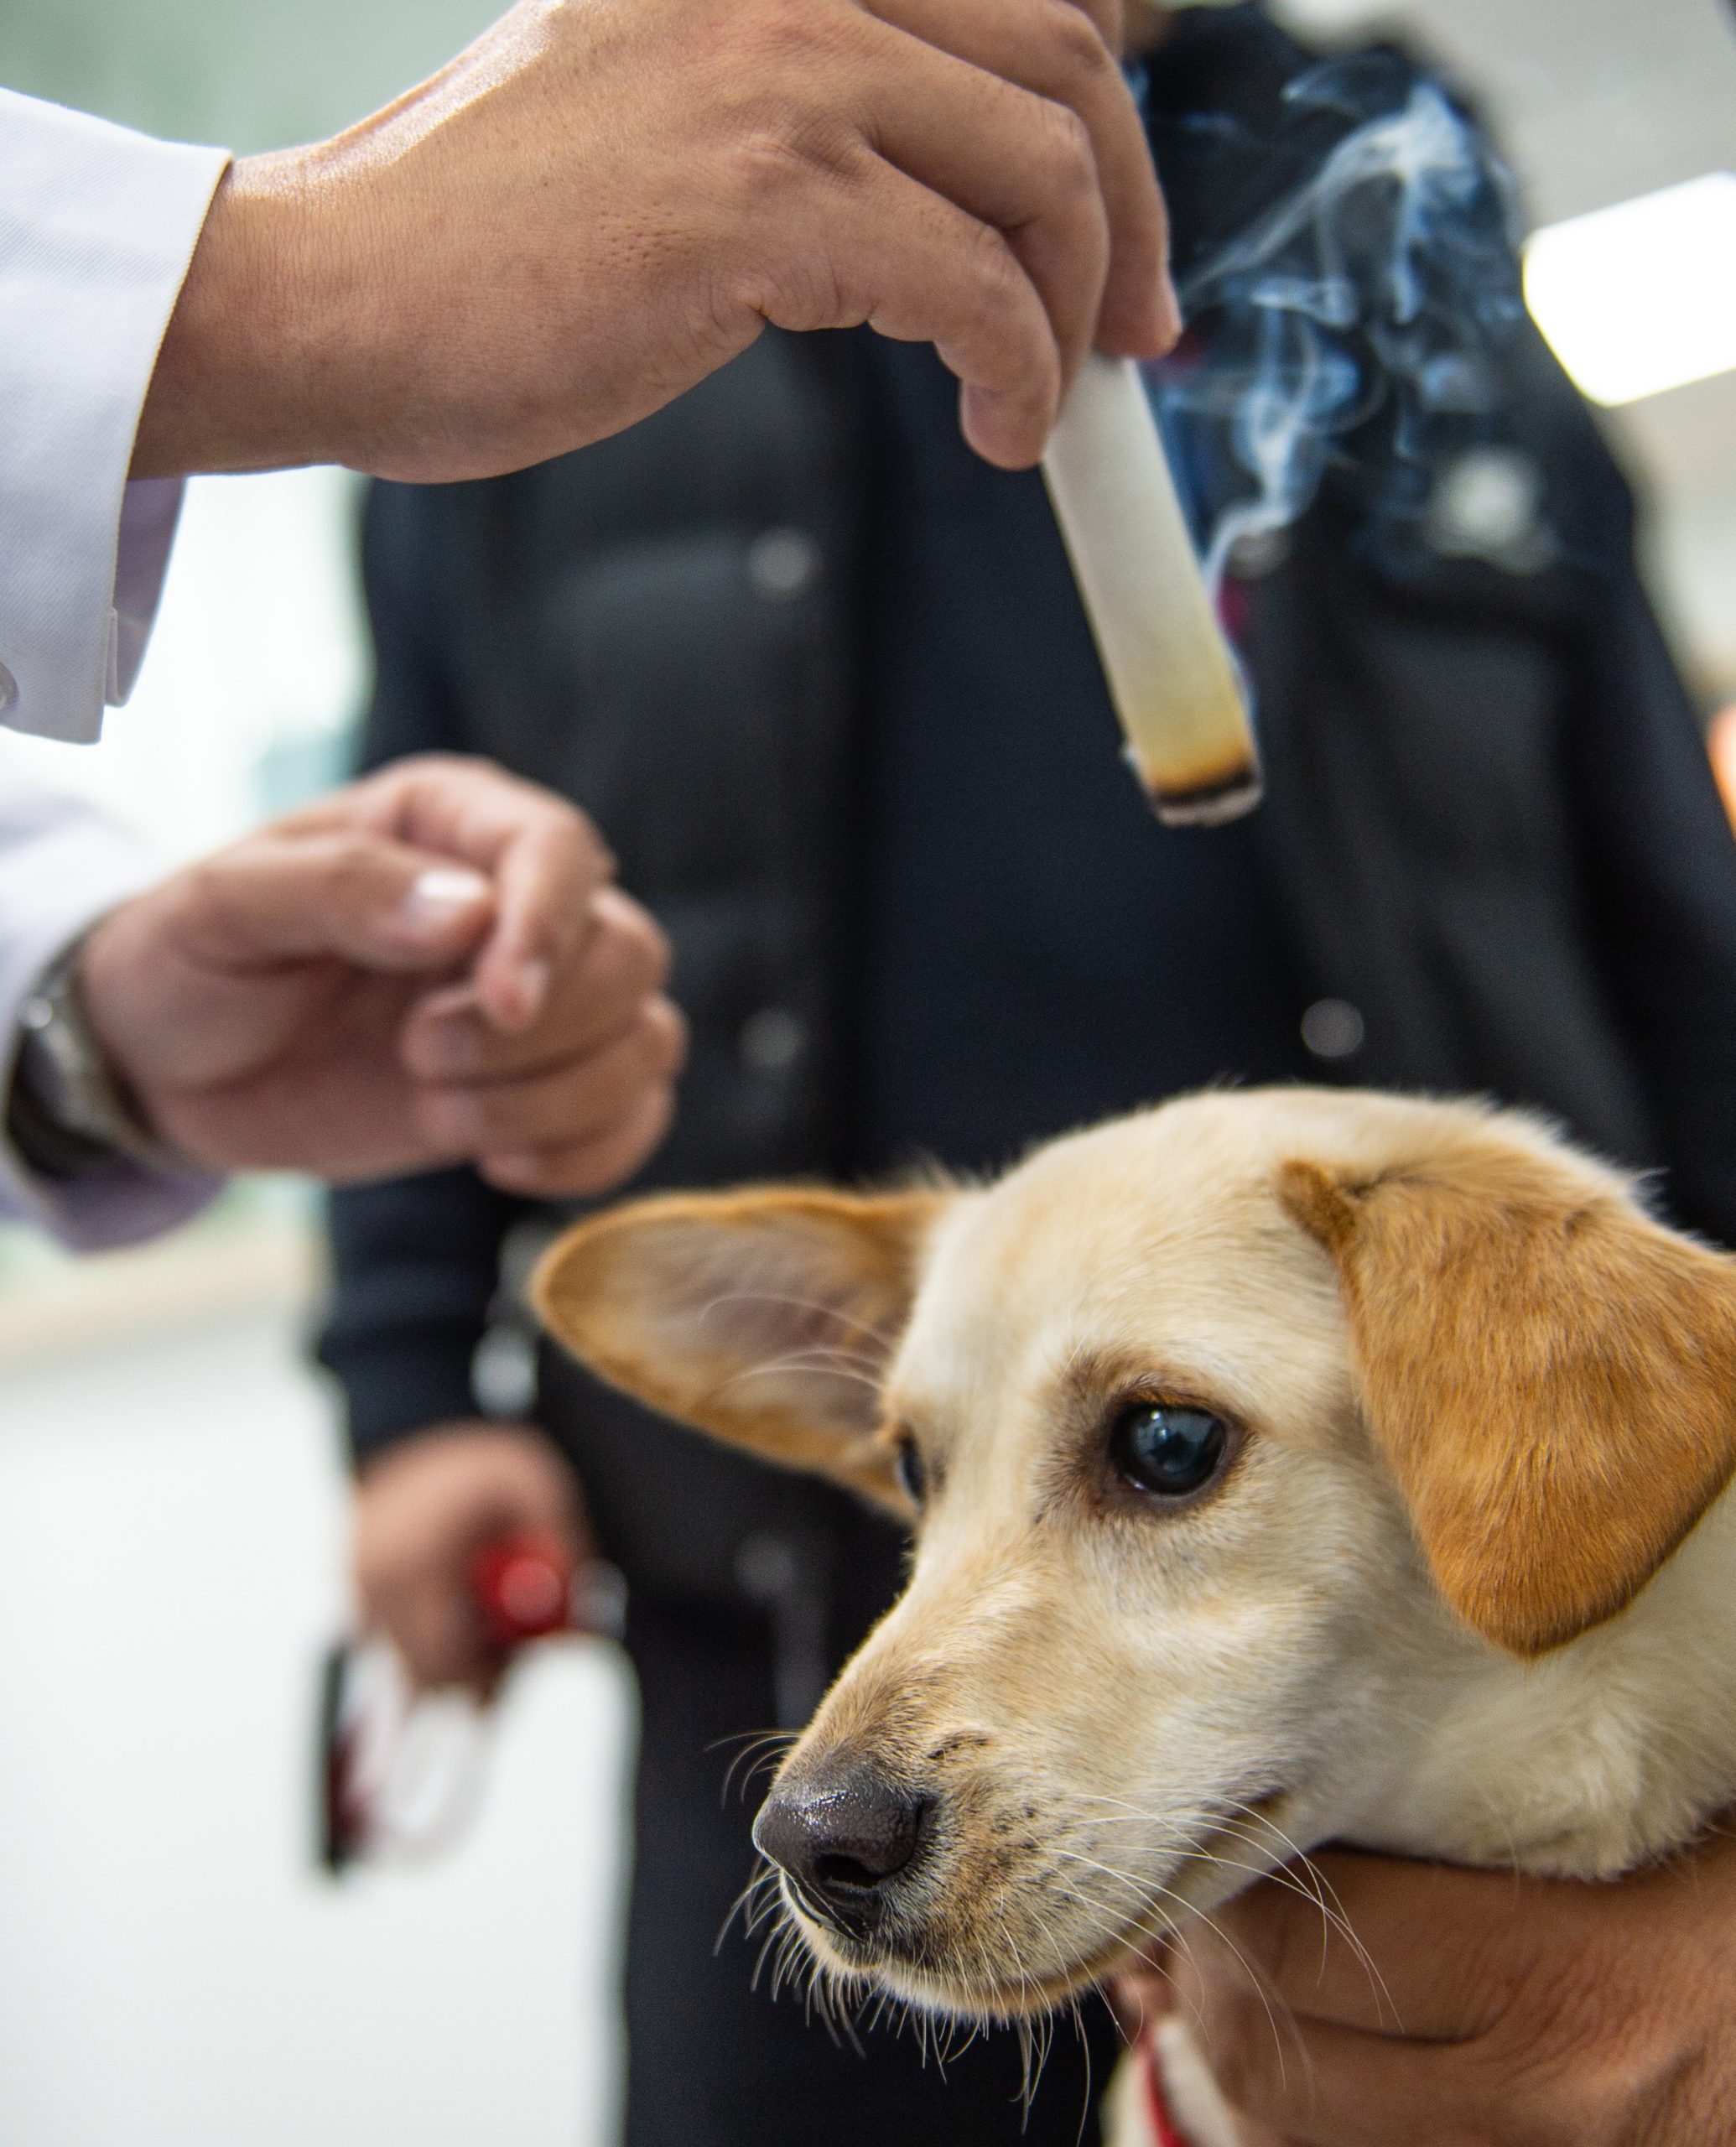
1550, 1373
765, 1317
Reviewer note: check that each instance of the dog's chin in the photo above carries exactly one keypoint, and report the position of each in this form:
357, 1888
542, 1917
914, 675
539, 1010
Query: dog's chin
916, 1971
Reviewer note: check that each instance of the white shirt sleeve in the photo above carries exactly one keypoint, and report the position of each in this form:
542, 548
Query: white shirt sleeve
97, 228
62, 865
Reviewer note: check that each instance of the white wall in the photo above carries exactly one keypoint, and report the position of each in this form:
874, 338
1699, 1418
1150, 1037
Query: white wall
250, 74
172, 1974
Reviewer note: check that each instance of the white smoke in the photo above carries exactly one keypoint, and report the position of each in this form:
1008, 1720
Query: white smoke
1370, 300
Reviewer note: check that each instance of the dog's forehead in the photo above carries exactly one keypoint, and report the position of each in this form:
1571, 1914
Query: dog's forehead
1160, 1236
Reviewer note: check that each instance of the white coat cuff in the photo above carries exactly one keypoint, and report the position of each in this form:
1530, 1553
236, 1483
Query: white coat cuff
97, 226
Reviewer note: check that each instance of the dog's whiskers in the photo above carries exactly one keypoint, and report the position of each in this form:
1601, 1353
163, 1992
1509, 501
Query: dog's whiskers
1296, 1871
1150, 1887
764, 1884
759, 1749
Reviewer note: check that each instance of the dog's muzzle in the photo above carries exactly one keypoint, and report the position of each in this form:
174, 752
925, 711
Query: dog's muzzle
844, 1837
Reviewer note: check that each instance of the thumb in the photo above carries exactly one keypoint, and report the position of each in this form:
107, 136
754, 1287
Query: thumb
379, 904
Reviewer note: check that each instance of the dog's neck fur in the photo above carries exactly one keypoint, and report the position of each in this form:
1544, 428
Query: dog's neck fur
1608, 1752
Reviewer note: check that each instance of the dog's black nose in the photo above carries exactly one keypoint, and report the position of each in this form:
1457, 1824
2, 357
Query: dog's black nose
840, 1838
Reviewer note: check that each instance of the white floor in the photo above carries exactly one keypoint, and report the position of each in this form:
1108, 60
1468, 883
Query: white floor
172, 1975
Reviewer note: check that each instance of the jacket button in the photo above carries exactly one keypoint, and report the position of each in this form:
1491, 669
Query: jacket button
1332, 1028
783, 564
772, 1040
8, 690
1489, 505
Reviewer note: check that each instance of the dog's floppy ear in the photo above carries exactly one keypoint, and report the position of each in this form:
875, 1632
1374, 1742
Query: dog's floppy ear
1550, 1373
764, 1317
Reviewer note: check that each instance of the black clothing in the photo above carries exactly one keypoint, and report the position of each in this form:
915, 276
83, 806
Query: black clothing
823, 679
1035, 952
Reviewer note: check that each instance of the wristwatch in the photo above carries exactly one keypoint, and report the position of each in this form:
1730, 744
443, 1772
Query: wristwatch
68, 1112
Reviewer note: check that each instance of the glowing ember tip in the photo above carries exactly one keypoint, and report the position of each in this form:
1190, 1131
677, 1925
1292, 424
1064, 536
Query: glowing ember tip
1170, 674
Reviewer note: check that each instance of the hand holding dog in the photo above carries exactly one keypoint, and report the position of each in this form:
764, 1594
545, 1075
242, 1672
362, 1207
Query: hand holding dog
428, 967
424, 1508
603, 200
1510, 2010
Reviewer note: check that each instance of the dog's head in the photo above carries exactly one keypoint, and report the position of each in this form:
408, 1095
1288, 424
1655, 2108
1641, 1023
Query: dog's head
1236, 1438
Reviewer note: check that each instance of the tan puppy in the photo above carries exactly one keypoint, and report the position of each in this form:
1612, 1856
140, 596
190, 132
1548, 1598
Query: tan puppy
1285, 1465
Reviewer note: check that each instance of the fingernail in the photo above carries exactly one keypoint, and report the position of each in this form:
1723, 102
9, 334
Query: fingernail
534, 977
440, 895
1169, 310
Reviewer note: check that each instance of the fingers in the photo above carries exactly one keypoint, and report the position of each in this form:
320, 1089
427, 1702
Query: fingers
918, 268
1371, 1941
943, 198
542, 859
1308, 2083
577, 1101
1045, 201
1334, 2005
583, 1169
609, 975
1090, 188
554, 1058
286, 896
572, 1105
424, 1509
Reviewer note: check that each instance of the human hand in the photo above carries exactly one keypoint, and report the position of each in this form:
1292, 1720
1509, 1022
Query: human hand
427, 967
1488, 2007
424, 1508
600, 201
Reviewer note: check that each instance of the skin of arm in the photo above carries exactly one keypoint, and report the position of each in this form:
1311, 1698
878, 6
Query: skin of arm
600, 201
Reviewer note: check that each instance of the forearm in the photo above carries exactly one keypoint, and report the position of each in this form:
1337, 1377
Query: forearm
263, 359
596, 205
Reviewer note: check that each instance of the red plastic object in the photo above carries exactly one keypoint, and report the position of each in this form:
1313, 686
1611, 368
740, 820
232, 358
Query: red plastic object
523, 1587
1165, 2131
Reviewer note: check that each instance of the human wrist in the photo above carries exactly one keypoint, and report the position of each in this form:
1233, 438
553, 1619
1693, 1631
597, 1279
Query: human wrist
253, 369
70, 1111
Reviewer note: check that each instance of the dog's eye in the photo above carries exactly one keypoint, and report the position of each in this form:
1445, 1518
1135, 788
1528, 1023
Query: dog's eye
907, 1467
1166, 1449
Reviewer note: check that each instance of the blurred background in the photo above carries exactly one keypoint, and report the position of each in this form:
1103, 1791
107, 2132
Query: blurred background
171, 1503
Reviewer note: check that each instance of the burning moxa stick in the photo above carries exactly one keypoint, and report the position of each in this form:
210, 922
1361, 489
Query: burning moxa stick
1170, 674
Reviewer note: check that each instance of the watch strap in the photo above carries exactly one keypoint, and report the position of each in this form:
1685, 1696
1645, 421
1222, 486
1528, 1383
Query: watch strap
69, 1114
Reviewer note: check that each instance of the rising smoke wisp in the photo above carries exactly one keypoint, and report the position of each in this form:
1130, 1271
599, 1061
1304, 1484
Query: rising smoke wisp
1356, 321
